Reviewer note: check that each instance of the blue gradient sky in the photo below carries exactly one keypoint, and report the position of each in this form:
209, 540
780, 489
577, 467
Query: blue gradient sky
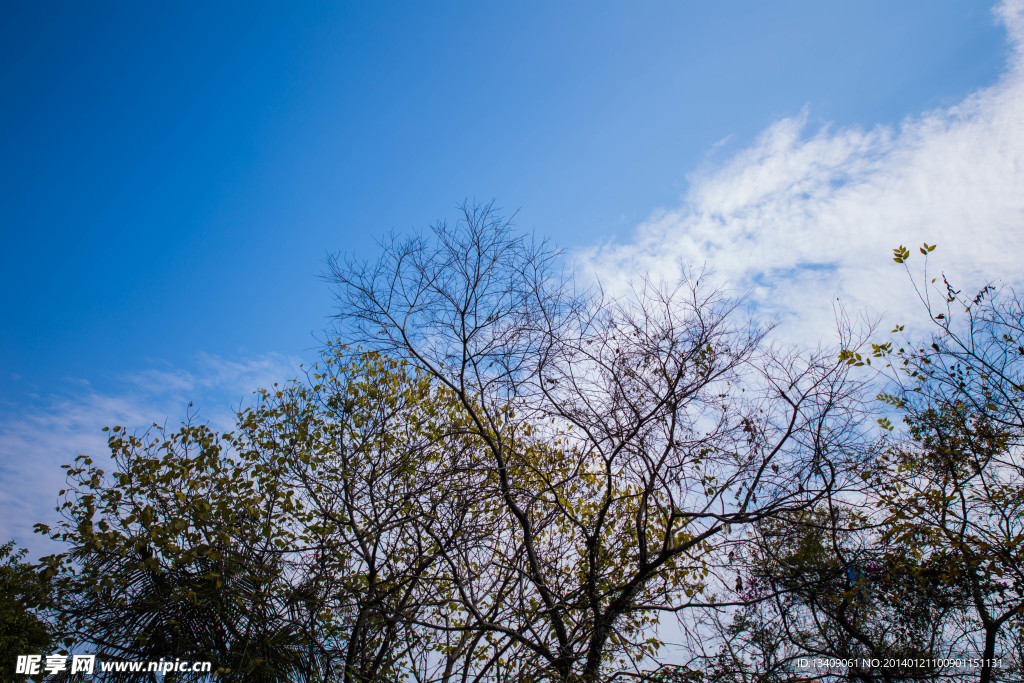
174, 174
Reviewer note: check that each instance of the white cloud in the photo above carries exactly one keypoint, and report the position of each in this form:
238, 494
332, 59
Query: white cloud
802, 217
35, 441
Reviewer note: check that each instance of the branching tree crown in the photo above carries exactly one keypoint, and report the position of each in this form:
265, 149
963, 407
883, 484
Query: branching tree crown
623, 434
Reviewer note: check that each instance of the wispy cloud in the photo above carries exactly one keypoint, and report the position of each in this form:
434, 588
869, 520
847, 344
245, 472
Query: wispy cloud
35, 441
804, 216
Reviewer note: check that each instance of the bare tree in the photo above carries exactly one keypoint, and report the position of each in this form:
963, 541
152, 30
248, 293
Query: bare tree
625, 438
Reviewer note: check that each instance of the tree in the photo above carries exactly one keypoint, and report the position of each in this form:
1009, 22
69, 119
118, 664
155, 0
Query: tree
954, 495
378, 461
622, 436
22, 595
824, 584
175, 555
923, 565
289, 549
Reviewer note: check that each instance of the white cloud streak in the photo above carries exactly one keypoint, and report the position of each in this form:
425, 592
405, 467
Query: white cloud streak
801, 218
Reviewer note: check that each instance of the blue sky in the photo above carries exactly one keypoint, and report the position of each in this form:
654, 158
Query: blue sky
175, 174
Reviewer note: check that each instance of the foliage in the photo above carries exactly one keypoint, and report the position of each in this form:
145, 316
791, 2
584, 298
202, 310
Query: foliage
954, 495
826, 584
384, 475
177, 554
924, 563
22, 594
281, 551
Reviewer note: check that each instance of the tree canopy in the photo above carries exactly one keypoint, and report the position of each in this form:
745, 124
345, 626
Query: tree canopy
922, 567
498, 474
22, 594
